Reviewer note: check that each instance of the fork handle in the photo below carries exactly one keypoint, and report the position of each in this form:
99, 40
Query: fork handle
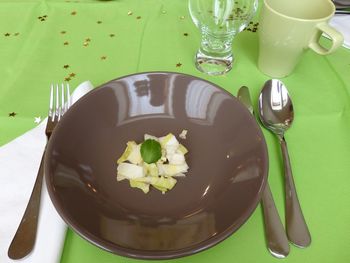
23, 241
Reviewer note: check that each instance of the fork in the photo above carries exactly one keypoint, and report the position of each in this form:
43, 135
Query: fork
23, 241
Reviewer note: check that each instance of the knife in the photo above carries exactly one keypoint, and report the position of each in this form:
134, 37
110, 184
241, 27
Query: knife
277, 241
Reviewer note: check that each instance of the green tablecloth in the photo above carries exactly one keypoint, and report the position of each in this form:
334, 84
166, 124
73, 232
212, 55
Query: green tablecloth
43, 42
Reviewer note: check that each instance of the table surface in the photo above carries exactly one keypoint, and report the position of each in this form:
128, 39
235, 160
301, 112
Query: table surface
43, 42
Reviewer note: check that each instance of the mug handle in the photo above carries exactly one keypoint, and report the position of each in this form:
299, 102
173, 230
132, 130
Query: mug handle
336, 38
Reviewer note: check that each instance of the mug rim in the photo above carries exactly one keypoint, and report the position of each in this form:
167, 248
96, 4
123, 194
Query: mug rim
302, 19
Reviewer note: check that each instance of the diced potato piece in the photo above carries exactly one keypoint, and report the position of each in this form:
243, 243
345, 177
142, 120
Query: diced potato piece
120, 177
176, 158
148, 136
182, 149
151, 169
135, 154
183, 134
172, 169
130, 171
127, 151
143, 186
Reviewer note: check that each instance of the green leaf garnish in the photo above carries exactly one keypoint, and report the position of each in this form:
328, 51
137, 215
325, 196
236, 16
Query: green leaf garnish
151, 151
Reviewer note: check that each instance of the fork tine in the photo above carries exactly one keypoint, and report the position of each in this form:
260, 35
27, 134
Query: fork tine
62, 107
57, 113
68, 97
51, 115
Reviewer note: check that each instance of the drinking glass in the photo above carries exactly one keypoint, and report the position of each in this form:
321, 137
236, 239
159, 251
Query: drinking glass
219, 21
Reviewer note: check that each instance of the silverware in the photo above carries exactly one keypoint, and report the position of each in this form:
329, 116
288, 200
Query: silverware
24, 239
342, 12
276, 238
341, 4
276, 114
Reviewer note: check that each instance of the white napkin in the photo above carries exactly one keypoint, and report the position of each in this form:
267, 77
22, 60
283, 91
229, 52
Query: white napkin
342, 24
19, 163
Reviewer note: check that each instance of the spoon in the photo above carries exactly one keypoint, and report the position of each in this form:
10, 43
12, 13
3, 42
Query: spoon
276, 238
276, 114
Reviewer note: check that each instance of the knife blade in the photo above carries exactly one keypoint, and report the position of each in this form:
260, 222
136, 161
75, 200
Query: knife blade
277, 241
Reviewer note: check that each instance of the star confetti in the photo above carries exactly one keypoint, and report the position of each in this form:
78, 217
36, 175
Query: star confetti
111, 35
67, 79
185, 34
72, 75
252, 27
129, 13
86, 44
63, 32
7, 34
12, 114
88, 40
139, 17
66, 66
73, 13
178, 65
37, 119
66, 43
42, 18
103, 58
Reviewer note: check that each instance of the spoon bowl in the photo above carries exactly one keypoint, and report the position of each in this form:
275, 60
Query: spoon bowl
275, 106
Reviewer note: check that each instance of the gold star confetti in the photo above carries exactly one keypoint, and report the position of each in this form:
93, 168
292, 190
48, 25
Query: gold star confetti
67, 79
66, 43
185, 34
99, 22
103, 58
182, 17
138, 17
111, 35
7, 34
63, 32
66, 66
12, 114
37, 119
72, 75
178, 65
73, 13
129, 13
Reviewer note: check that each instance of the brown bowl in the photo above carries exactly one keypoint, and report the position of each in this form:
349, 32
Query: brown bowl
227, 158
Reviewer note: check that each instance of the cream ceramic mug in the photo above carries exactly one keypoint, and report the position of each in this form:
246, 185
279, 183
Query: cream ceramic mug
287, 28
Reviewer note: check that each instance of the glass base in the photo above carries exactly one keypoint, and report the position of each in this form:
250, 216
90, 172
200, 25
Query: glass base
213, 65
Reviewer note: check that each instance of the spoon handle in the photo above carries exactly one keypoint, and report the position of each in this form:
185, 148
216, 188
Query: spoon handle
297, 230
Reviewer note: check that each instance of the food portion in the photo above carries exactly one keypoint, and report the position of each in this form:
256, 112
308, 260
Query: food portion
155, 162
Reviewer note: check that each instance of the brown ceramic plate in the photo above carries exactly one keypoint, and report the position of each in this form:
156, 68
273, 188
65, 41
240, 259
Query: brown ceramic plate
227, 158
